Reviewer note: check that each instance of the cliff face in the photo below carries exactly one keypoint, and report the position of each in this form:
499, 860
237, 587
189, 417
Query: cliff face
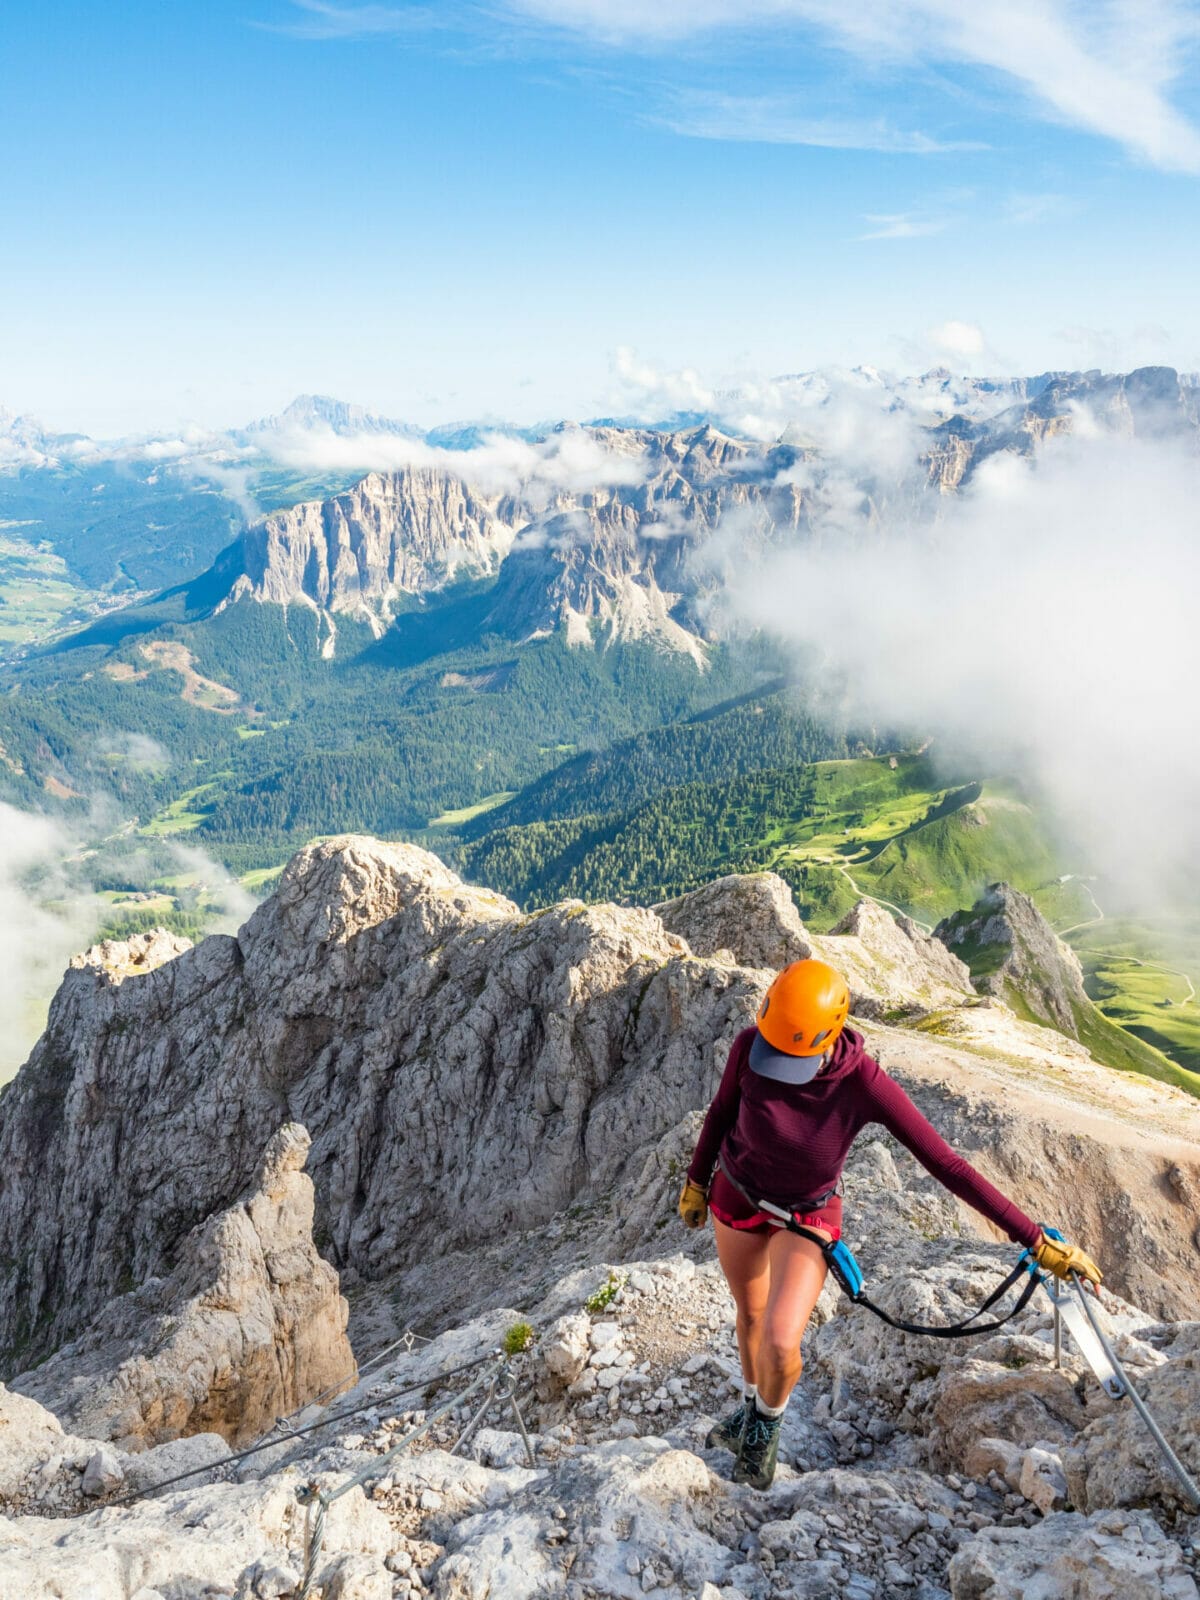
1015, 954
607, 544
393, 534
626, 533
248, 1326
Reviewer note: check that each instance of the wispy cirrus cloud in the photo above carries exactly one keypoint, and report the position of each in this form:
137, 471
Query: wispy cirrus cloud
1107, 67
901, 225
1025, 209
321, 19
775, 119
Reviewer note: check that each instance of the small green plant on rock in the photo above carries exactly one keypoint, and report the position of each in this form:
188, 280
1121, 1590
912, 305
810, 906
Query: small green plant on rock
606, 1293
519, 1337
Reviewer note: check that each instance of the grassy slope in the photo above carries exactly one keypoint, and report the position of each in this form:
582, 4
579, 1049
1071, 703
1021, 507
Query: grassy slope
1144, 975
888, 827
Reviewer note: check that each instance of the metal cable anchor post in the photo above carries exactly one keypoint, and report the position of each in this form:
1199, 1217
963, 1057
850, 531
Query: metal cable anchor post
1181, 1474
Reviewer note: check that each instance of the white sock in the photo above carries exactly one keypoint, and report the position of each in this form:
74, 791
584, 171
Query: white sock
749, 1392
764, 1410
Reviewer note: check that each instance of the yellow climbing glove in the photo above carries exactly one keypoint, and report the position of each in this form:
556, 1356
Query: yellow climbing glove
693, 1205
1062, 1259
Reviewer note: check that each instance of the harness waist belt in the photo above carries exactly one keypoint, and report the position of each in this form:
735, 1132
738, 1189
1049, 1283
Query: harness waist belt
772, 1210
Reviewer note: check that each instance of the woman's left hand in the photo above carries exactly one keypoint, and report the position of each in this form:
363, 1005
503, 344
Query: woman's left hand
1062, 1259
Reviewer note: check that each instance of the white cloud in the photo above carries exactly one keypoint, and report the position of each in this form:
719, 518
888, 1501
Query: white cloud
45, 917
1045, 619
138, 749
962, 340
901, 225
1107, 67
772, 119
570, 459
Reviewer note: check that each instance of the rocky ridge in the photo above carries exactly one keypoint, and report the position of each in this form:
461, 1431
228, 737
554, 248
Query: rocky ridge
1016, 956
910, 1467
247, 1327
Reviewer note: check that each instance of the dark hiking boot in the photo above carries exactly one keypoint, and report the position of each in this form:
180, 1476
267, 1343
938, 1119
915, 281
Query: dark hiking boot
727, 1435
760, 1449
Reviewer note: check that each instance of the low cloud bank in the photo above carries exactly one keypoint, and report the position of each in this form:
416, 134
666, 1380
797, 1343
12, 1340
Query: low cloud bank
50, 911
1044, 618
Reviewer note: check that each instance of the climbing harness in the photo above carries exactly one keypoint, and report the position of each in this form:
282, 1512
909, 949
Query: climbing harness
799, 1209
495, 1374
848, 1275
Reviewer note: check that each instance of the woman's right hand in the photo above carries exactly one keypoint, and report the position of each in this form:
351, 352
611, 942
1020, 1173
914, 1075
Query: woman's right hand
693, 1205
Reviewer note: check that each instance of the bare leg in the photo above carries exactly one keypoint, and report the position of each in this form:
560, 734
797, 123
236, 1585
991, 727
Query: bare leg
796, 1274
745, 1261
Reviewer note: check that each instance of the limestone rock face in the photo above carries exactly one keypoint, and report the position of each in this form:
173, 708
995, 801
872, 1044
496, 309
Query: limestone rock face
30, 1436
221, 1540
1116, 1555
392, 534
501, 1107
752, 916
249, 1326
892, 965
598, 543
1025, 961
1113, 1462
642, 1482
436, 1044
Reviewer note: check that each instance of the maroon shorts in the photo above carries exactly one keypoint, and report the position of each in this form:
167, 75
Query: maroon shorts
735, 1211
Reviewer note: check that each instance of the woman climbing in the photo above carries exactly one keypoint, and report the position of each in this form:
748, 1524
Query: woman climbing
796, 1091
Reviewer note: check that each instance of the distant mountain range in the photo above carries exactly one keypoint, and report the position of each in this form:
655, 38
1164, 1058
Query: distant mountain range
627, 532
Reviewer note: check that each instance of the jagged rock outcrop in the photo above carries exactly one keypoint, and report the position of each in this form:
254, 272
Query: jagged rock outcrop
597, 541
892, 965
393, 534
909, 1466
436, 1043
750, 916
1114, 1556
228, 1539
247, 1327
440, 1045
131, 958
1014, 954
1149, 403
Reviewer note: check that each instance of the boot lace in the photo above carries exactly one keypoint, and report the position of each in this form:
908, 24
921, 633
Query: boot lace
760, 1431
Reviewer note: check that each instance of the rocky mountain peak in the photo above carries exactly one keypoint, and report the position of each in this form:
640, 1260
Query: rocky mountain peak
1014, 953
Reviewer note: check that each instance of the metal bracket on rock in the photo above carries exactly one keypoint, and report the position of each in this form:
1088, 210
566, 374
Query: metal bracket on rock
1075, 1311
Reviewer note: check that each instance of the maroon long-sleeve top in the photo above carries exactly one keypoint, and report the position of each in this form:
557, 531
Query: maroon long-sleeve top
788, 1143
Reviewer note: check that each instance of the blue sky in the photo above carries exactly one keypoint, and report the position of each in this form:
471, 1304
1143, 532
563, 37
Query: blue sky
457, 209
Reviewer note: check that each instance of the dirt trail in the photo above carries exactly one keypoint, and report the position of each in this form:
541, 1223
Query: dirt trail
1113, 1157
889, 905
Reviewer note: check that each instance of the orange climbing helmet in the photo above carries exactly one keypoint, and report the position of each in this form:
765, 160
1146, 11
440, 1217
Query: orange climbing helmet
805, 1009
